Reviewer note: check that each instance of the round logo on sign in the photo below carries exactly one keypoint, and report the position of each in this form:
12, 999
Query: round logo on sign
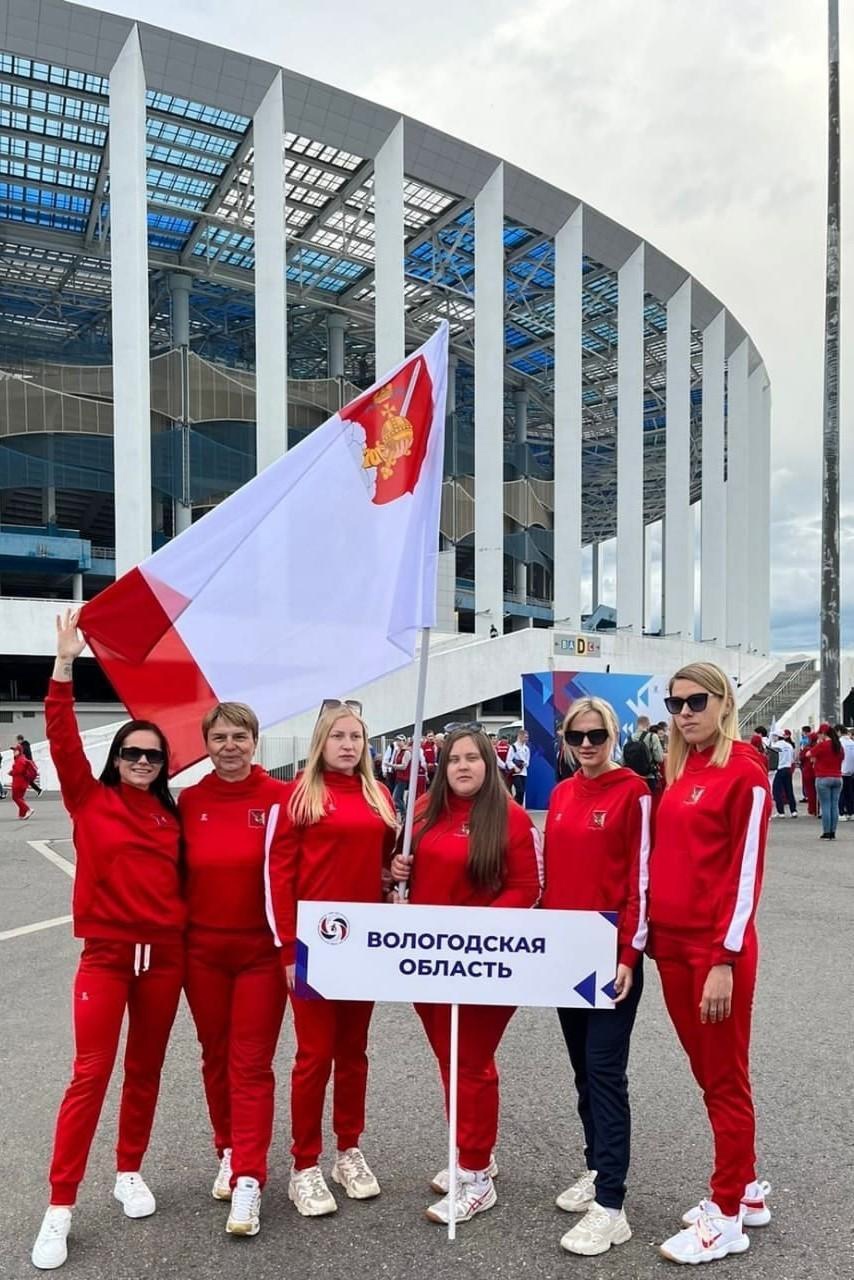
333, 928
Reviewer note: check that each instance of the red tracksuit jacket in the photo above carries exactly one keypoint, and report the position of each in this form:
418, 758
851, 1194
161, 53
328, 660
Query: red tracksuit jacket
826, 762
339, 859
127, 885
705, 871
439, 869
597, 843
225, 824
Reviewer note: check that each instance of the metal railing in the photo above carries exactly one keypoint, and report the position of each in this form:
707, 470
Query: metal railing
771, 702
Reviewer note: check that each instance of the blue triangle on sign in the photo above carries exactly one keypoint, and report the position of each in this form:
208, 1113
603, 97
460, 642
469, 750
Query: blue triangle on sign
609, 989
587, 988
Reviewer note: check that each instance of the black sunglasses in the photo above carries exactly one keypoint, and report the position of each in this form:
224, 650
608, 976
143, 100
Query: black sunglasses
352, 704
694, 702
133, 755
596, 737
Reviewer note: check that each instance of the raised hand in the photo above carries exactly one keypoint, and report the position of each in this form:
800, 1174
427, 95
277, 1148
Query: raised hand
69, 642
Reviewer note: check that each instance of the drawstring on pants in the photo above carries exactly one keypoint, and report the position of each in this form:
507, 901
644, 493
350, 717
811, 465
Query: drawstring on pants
141, 958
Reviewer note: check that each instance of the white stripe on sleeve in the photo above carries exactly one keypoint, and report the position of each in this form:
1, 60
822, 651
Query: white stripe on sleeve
272, 823
747, 879
537, 837
639, 940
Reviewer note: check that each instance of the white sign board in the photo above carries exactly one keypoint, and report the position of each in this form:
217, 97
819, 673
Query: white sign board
574, 646
456, 955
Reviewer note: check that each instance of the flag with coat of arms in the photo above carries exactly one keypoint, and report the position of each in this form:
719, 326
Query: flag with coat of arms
312, 579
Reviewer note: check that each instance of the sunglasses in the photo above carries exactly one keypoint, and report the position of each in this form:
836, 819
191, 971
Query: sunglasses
694, 702
596, 737
133, 755
352, 704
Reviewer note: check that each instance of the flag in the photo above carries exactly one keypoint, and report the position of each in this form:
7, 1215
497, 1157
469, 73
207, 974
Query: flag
310, 580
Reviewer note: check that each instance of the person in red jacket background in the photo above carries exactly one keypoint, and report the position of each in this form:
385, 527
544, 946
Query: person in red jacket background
330, 841
705, 879
22, 773
128, 909
826, 756
235, 987
473, 846
597, 841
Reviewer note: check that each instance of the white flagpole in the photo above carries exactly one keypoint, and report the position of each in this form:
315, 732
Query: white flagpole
416, 750
452, 1122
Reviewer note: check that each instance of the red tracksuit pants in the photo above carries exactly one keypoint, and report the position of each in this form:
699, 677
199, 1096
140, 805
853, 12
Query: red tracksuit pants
328, 1032
719, 1055
236, 993
105, 985
481, 1029
19, 793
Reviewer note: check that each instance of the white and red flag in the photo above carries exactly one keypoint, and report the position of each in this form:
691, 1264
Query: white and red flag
312, 579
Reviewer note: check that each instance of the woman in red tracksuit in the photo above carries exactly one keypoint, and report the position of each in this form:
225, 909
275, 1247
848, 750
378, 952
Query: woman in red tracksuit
235, 987
474, 846
22, 773
129, 910
704, 883
329, 841
597, 842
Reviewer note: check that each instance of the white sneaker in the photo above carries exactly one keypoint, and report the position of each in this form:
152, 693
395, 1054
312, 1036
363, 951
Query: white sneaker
475, 1194
134, 1196
308, 1191
221, 1189
709, 1238
442, 1180
244, 1218
28, 814
754, 1210
596, 1232
50, 1249
579, 1197
351, 1171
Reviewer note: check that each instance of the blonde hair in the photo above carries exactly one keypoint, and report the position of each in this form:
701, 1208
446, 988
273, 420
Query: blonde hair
599, 707
711, 678
236, 713
310, 796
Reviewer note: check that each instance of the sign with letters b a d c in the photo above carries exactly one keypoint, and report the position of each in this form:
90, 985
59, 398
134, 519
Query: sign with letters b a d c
456, 955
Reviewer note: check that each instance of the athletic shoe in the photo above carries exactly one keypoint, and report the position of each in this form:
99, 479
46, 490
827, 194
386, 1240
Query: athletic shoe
596, 1232
28, 814
579, 1197
475, 1194
711, 1237
50, 1249
308, 1191
754, 1210
351, 1171
134, 1196
221, 1189
442, 1181
244, 1218
794, 813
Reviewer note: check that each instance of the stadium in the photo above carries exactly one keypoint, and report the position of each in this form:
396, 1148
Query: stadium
168, 327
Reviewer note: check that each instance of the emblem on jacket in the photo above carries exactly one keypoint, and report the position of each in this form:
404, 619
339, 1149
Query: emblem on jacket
257, 817
597, 817
696, 795
463, 829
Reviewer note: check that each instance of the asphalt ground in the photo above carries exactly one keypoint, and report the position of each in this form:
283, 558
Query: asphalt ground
803, 1061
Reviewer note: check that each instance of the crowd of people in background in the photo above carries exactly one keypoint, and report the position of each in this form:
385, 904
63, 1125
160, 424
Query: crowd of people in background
825, 758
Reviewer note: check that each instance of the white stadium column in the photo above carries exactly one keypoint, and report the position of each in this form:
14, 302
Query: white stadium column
271, 325
678, 525
388, 251
737, 497
630, 367
758, 533
489, 405
129, 287
713, 549
567, 424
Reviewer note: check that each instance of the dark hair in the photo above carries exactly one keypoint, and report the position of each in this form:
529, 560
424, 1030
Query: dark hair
487, 854
160, 786
834, 740
760, 728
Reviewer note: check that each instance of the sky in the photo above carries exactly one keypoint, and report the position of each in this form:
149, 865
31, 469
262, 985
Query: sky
700, 125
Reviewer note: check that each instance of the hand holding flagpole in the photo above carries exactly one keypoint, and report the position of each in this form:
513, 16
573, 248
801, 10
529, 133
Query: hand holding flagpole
409, 818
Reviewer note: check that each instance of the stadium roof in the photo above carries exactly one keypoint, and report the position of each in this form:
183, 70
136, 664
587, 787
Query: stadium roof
55, 219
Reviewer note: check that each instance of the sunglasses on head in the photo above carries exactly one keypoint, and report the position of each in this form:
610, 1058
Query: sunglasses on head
352, 704
694, 702
133, 755
596, 737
